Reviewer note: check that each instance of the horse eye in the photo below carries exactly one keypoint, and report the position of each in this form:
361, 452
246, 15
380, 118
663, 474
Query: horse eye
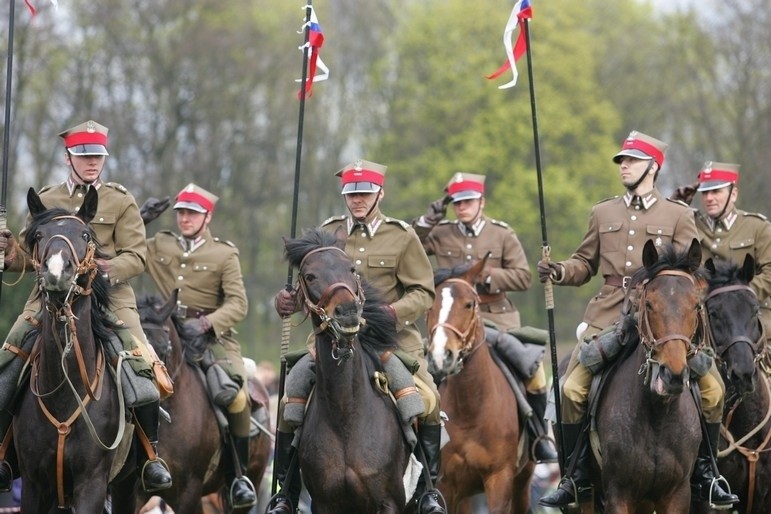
86, 236
353, 270
38, 236
309, 277
469, 305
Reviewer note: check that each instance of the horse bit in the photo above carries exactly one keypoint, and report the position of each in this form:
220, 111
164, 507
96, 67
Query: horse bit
329, 322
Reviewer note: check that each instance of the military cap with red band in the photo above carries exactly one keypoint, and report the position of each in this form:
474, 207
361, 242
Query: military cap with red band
195, 198
362, 176
715, 175
466, 186
89, 138
642, 146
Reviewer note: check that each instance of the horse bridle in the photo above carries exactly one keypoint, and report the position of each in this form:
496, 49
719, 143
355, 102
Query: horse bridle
759, 350
329, 322
466, 336
647, 338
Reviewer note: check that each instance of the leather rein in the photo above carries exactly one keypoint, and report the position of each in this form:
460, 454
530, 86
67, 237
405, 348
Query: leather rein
328, 323
467, 335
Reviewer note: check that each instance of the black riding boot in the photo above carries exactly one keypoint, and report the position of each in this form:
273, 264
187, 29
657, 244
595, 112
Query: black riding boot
153, 471
705, 486
566, 494
429, 437
543, 450
288, 498
240, 489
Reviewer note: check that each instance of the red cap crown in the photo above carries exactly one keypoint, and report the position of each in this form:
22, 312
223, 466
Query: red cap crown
195, 198
642, 146
362, 176
715, 175
89, 138
466, 186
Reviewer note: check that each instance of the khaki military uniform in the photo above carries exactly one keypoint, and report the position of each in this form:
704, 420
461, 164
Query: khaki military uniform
208, 276
121, 235
387, 253
731, 239
618, 230
453, 244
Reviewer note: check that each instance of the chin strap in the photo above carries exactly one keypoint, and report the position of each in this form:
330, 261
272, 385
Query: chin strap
634, 186
725, 206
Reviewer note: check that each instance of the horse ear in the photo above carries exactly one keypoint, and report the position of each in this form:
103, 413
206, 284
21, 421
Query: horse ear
342, 238
87, 211
472, 275
171, 304
34, 203
694, 255
748, 268
710, 265
650, 255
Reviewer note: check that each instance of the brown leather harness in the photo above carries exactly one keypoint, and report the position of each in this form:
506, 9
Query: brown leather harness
467, 335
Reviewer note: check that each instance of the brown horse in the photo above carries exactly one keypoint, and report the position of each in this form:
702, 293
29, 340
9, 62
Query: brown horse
69, 420
191, 443
649, 431
352, 451
739, 342
483, 420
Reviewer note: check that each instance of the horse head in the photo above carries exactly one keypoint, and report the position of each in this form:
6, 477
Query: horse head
453, 321
328, 286
63, 245
734, 324
670, 287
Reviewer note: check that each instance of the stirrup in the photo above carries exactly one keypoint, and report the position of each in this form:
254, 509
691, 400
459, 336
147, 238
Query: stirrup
145, 487
5, 466
534, 449
716, 482
242, 479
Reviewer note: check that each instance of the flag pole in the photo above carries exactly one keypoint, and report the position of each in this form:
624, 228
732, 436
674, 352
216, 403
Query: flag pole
6, 135
545, 252
286, 327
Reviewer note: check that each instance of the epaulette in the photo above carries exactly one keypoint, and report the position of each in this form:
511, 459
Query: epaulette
223, 241
446, 222
168, 233
401, 223
606, 199
329, 220
756, 215
680, 202
117, 186
499, 223
45, 188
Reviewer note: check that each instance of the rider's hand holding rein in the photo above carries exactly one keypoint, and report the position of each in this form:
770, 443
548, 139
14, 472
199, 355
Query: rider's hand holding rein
8, 245
285, 303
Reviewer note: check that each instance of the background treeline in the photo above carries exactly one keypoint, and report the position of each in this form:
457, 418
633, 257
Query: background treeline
205, 91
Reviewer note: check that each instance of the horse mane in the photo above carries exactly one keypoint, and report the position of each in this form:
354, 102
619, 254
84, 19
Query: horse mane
312, 239
442, 274
192, 344
100, 287
669, 259
726, 273
379, 332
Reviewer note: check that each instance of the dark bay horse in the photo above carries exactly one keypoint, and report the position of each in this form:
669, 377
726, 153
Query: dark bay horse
352, 451
647, 421
739, 342
70, 417
483, 420
189, 443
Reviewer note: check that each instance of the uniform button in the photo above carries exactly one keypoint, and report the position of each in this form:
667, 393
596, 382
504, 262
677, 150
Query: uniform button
630, 248
637, 207
714, 245
628, 263
658, 231
631, 232
382, 263
468, 257
449, 253
183, 265
504, 309
358, 261
205, 267
406, 323
719, 229
634, 218
180, 277
361, 249
468, 246
185, 254
80, 195
101, 219
717, 240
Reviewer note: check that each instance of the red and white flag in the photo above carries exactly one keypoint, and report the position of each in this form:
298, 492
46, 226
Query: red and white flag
315, 40
522, 11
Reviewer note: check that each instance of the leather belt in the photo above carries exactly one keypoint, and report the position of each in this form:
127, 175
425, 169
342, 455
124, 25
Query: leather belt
491, 298
618, 281
183, 311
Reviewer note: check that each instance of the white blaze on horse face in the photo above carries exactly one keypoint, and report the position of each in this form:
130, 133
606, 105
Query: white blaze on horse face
56, 265
440, 336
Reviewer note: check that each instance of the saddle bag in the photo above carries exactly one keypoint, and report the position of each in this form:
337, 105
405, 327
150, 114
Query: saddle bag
600, 349
162, 379
222, 388
523, 358
138, 389
700, 363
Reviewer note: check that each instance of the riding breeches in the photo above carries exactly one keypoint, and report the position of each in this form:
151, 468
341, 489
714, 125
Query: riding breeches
575, 392
537, 383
